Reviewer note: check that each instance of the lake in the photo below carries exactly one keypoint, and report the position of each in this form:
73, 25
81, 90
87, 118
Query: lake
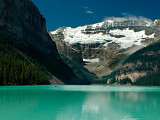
79, 103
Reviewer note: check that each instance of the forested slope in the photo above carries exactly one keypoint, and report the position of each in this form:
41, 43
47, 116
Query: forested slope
16, 68
141, 68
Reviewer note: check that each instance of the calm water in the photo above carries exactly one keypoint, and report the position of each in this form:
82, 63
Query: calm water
79, 103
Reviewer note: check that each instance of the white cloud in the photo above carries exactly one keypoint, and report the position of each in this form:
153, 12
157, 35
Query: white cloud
128, 17
89, 12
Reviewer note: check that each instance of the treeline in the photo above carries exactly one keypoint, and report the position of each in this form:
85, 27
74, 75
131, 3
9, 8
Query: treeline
16, 68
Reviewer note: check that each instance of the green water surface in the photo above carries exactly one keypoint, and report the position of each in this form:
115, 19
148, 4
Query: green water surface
79, 103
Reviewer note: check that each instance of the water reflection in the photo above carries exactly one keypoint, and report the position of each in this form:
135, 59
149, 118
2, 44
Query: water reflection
47, 104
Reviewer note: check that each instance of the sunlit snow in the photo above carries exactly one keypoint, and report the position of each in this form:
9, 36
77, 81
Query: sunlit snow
130, 37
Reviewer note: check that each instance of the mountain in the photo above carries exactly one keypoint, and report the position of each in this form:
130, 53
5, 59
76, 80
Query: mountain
103, 46
140, 68
30, 55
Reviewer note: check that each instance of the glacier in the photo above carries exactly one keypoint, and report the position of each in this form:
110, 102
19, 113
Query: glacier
128, 37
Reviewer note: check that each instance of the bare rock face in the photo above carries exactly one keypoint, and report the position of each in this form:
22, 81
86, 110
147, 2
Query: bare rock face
22, 19
156, 27
72, 52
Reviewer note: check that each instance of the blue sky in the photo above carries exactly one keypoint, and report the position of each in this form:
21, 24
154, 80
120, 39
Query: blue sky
59, 13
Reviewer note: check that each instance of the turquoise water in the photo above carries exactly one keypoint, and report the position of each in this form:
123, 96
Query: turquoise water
79, 103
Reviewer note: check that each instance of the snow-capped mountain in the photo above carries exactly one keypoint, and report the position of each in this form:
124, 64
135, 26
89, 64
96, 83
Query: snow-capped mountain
102, 42
101, 33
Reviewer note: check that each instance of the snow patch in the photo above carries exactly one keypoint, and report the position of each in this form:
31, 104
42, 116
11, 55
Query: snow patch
96, 60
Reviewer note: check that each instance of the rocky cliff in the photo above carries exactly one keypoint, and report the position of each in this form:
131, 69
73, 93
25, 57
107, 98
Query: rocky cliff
22, 19
68, 51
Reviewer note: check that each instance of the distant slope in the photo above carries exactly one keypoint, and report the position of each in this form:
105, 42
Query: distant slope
141, 68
